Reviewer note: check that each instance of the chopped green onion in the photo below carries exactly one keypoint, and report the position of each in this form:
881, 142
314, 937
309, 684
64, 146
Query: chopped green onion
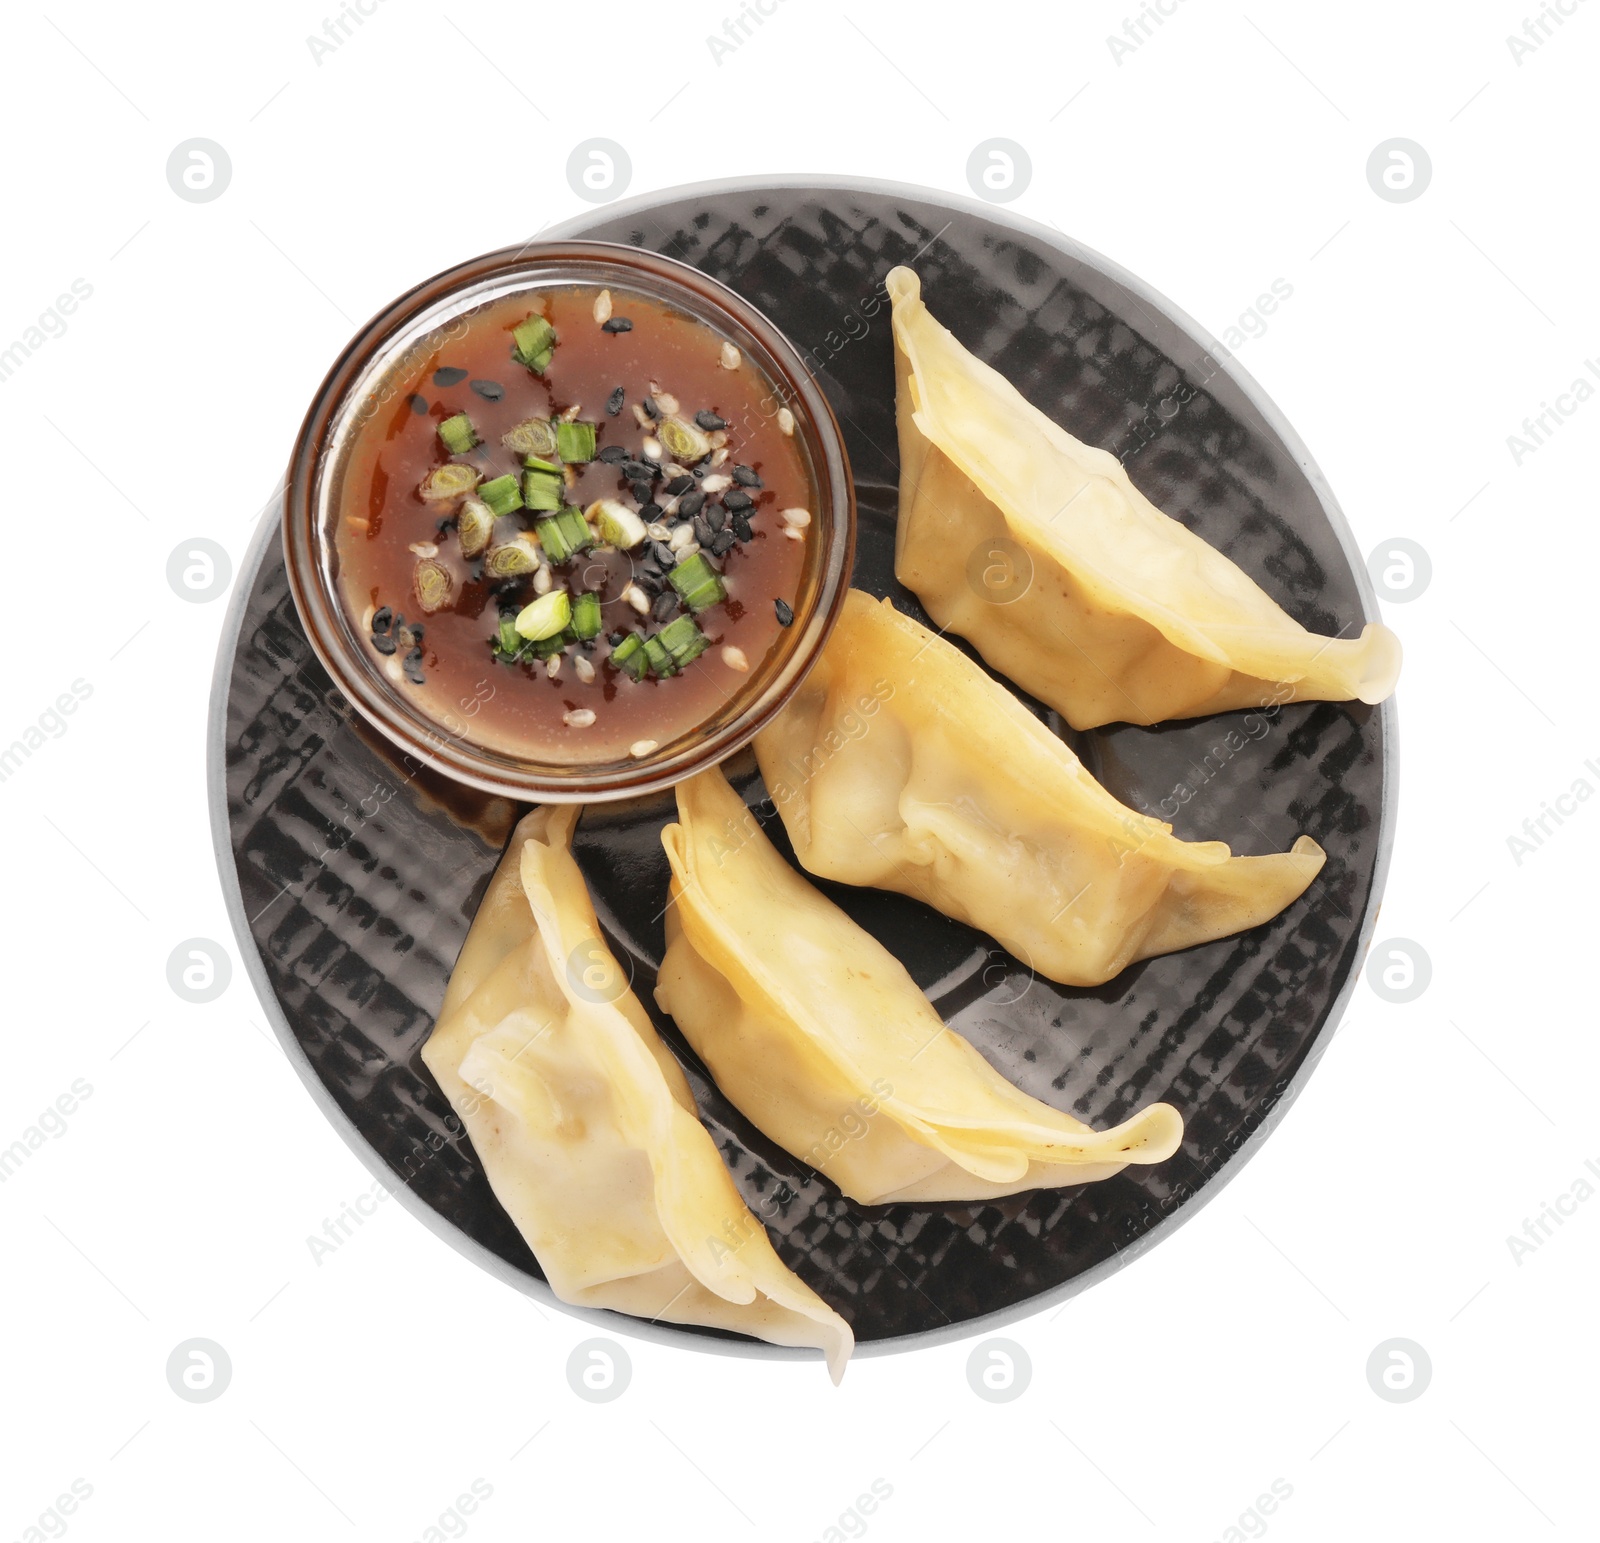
616, 522
433, 584
501, 494
547, 616
629, 655
683, 441
660, 659
533, 463
533, 436
511, 560
586, 616
698, 584
565, 535
474, 526
532, 342
550, 645
542, 489
509, 641
458, 434
683, 640
575, 441
449, 481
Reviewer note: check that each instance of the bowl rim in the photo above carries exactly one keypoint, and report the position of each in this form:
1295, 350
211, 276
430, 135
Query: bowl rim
366, 359
620, 1324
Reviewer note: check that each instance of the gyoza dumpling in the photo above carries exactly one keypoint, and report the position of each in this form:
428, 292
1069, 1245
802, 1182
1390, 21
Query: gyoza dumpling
899, 763
1128, 616
817, 1033
585, 1124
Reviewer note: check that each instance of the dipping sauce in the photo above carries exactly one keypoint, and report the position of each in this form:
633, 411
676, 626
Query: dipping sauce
574, 534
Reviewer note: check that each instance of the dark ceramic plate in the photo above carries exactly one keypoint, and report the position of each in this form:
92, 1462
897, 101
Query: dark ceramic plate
353, 878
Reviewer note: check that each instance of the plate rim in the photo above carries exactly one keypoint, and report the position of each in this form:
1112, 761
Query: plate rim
269, 524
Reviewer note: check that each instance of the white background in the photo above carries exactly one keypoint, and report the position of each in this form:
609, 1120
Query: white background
1228, 150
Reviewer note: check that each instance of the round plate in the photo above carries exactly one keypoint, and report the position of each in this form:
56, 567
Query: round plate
353, 876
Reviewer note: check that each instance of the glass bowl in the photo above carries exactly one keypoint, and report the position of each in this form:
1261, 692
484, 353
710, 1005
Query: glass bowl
368, 375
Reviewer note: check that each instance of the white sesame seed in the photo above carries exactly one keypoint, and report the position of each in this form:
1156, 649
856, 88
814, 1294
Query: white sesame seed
637, 598
730, 357
602, 307
795, 517
652, 448
682, 536
640, 748
394, 669
717, 438
666, 401
734, 657
366, 618
720, 454
687, 550
715, 483
585, 672
641, 417
571, 414
552, 666
794, 533
424, 549
786, 420
656, 531
542, 580
578, 718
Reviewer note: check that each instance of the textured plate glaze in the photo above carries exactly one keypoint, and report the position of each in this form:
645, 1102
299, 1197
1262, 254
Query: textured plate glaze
353, 876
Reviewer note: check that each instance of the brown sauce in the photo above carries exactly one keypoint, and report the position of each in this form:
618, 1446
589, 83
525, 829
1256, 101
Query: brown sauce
517, 708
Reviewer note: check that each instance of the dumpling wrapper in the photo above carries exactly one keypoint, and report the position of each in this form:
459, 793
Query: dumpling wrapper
900, 764
1128, 615
585, 1124
817, 1033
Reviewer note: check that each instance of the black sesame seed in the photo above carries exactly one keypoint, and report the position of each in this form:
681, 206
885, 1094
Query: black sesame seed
414, 674
721, 542
663, 554
449, 376
736, 498
613, 638
709, 421
615, 400
382, 618
419, 404
416, 632
617, 324
611, 454
649, 405
399, 623
745, 475
641, 491
489, 390
785, 613
691, 504
650, 513
650, 581
638, 471
680, 484
666, 603
741, 527
414, 657
383, 642
702, 530
716, 517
